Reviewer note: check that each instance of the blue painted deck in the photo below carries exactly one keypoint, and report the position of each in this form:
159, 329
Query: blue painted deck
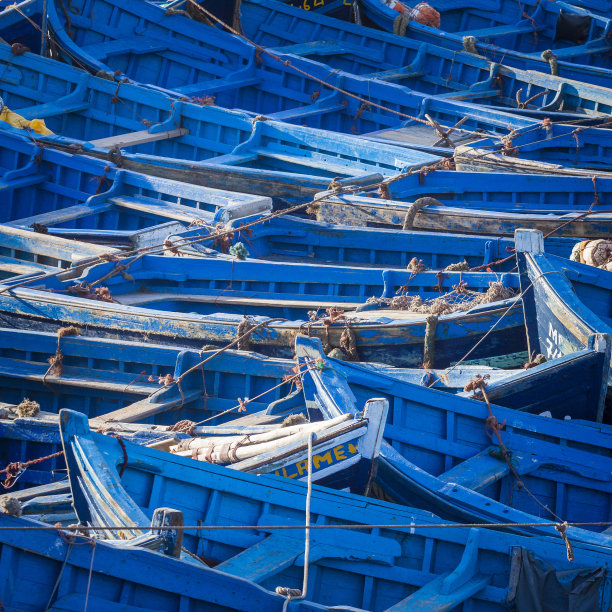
561, 149
482, 203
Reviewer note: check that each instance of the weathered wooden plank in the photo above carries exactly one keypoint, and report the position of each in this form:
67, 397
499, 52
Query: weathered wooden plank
133, 139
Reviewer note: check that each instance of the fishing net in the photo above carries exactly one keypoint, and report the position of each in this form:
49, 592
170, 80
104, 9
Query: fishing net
597, 253
459, 299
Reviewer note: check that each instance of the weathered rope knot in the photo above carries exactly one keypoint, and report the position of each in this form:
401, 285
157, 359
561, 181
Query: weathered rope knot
244, 336
56, 362
121, 268
10, 505
492, 425
39, 228
27, 408
184, 426
169, 246
19, 49
551, 58
469, 45
115, 156
13, 471
103, 74
258, 118
509, 150
416, 265
400, 24
383, 191
335, 185
477, 384
348, 343
415, 207
536, 361
562, 529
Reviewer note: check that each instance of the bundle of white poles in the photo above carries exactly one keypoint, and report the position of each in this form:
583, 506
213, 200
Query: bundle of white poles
231, 449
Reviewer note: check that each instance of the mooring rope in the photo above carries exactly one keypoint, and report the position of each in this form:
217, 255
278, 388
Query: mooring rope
295, 594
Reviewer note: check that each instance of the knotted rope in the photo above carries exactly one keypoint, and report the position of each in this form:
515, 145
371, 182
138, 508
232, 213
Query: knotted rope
56, 362
469, 45
400, 24
551, 58
493, 428
243, 334
14, 470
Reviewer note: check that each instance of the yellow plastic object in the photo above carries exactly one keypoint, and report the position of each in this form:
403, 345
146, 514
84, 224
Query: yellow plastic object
36, 125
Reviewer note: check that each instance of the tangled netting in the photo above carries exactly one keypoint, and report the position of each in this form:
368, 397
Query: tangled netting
459, 299
597, 253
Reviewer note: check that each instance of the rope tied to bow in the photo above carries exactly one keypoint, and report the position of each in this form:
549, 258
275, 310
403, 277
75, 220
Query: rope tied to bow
562, 529
16, 468
551, 58
400, 24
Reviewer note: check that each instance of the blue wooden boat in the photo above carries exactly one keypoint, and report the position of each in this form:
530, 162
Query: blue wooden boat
142, 43
344, 450
116, 384
473, 202
562, 149
136, 211
189, 301
564, 300
74, 196
436, 217
444, 567
143, 130
440, 454
70, 572
364, 50
104, 377
290, 238
573, 34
